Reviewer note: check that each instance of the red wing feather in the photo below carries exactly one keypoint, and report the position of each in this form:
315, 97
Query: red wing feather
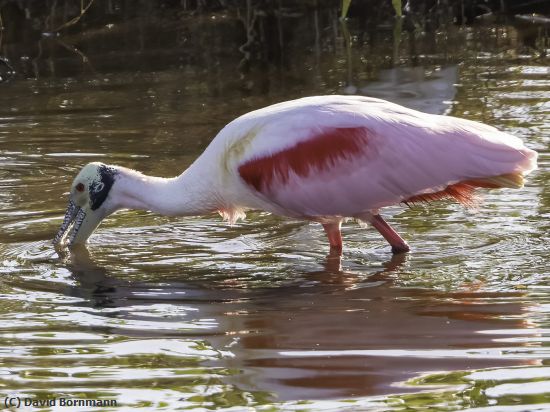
319, 153
462, 192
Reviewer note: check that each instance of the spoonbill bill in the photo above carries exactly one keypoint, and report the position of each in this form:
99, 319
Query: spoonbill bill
320, 159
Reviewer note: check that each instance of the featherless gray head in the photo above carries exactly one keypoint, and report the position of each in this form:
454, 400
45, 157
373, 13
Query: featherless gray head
87, 203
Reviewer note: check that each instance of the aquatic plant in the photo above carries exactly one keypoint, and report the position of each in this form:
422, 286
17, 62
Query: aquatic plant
395, 3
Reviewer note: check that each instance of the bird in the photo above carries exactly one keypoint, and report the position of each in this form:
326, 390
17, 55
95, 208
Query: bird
322, 159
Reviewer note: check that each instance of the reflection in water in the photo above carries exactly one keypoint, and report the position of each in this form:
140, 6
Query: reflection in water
411, 87
321, 334
182, 313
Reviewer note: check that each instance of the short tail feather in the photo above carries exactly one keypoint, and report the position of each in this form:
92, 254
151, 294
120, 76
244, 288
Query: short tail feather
511, 180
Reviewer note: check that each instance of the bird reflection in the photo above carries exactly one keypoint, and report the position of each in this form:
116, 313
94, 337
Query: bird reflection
333, 272
322, 332
104, 289
94, 281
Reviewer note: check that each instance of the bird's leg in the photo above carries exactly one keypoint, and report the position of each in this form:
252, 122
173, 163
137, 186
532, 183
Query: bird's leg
398, 244
334, 237
333, 264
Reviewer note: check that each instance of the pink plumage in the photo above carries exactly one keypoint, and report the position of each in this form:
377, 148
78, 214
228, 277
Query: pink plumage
325, 159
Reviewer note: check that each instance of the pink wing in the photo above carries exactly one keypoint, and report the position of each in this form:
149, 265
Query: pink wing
351, 158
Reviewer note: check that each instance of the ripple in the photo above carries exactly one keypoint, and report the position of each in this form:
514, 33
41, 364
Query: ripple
189, 313
511, 374
484, 353
527, 388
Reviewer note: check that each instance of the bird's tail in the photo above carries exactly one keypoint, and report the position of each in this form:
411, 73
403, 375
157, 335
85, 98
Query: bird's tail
474, 156
464, 191
512, 180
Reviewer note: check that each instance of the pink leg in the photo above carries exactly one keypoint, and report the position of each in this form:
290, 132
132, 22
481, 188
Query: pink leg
398, 244
334, 237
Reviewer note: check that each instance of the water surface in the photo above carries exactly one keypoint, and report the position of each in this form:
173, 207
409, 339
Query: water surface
182, 313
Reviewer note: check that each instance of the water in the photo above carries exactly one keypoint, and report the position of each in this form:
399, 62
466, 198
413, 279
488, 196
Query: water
188, 313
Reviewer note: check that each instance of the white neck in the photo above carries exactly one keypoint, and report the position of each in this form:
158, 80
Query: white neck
185, 195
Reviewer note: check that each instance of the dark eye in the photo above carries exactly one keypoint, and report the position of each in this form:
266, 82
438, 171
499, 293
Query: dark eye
80, 187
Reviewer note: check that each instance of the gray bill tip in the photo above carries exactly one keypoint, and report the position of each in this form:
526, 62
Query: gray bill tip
70, 214
80, 216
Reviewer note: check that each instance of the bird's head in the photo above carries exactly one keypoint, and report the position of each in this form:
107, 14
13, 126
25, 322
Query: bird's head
89, 203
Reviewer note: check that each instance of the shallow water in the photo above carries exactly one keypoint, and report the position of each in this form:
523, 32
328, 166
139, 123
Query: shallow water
180, 313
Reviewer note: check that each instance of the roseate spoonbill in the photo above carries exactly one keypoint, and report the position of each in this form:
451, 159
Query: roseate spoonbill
322, 159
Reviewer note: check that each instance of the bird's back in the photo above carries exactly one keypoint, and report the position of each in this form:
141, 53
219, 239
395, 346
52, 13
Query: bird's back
343, 155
